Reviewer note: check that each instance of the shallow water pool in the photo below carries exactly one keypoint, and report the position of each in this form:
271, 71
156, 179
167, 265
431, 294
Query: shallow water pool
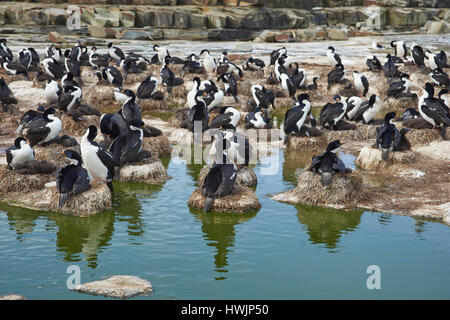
280, 252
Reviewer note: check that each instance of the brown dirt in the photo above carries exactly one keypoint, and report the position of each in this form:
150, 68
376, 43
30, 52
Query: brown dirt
158, 146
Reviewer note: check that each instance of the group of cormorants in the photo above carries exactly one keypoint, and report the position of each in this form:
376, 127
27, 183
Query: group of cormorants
124, 130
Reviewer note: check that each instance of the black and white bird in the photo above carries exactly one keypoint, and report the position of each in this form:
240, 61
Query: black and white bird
433, 60
400, 49
295, 117
167, 75
214, 95
256, 120
361, 83
219, 181
387, 136
328, 164
373, 63
97, 60
28, 116
223, 58
314, 85
376, 46
390, 69
440, 78
368, 110
298, 76
52, 91
67, 81
236, 145
262, 96
193, 92
353, 104
140, 61
399, 87
275, 54
198, 114
332, 113
161, 54
288, 85
147, 88
19, 153
336, 75
5, 51
126, 147
72, 65
14, 67
209, 62
107, 123
114, 76
333, 57
254, 64
192, 65
42, 130
98, 161
227, 118
25, 58
417, 55
129, 66
69, 98
72, 179
54, 52
434, 110
442, 96
6, 95
409, 114
53, 68
115, 53
130, 110
229, 67
230, 83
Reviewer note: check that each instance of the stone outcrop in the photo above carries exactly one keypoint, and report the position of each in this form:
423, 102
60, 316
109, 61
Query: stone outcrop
370, 158
117, 287
223, 20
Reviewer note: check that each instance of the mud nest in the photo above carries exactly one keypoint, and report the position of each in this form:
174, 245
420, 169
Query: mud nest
11, 181
370, 158
240, 200
149, 171
53, 154
152, 104
245, 176
424, 136
306, 143
343, 136
345, 191
367, 131
158, 146
96, 199
101, 97
78, 128
133, 78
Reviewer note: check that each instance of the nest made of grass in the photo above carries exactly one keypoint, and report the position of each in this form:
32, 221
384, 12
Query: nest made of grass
158, 146
11, 181
240, 200
149, 171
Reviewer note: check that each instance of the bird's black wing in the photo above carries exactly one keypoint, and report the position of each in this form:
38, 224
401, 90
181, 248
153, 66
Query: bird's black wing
315, 164
291, 117
338, 165
363, 108
395, 88
221, 120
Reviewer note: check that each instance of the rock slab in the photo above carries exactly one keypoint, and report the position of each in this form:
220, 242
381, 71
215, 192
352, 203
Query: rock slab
117, 287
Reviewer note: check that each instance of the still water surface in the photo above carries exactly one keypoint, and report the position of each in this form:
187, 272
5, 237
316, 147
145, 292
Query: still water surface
280, 252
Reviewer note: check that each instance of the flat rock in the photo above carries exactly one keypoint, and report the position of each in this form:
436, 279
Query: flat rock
441, 211
439, 150
370, 158
240, 200
117, 287
13, 296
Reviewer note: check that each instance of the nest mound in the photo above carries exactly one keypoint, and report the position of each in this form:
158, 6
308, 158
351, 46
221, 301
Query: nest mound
283, 102
150, 171
343, 136
367, 131
305, 143
345, 191
152, 104
245, 176
179, 91
78, 128
186, 137
12, 182
370, 158
96, 199
158, 146
53, 154
400, 104
240, 200
133, 78
424, 136
245, 88
101, 97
